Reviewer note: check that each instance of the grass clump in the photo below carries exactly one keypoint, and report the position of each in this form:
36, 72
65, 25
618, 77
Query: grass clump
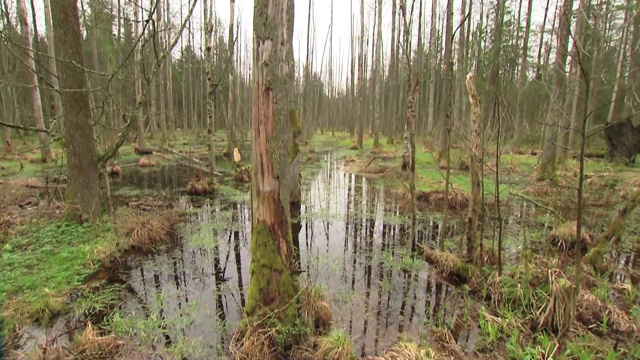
408, 350
147, 230
315, 310
200, 186
43, 261
146, 162
336, 345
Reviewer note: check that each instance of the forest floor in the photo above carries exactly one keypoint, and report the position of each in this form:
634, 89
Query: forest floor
53, 269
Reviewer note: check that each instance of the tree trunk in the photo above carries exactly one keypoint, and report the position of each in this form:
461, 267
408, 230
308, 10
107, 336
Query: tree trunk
231, 132
32, 82
208, 67
82, 159
433, 62
273, 286
377, 75
576, 81
538, 75
474, 247
448, 77
547, 169
361, 111
53, 69
168, 74
137, 55
522, 73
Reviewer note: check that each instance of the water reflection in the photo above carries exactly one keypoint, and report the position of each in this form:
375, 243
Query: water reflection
352, 243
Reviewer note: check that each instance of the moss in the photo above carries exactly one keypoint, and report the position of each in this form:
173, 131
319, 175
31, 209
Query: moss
272, 286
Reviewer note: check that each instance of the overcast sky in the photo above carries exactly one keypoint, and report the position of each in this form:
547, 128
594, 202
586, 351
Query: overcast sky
321, 18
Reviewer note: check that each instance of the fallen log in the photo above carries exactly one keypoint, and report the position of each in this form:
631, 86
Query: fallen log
197, 167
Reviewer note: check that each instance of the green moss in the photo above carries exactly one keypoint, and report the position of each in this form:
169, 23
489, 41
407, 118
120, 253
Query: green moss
296, 130
272, 286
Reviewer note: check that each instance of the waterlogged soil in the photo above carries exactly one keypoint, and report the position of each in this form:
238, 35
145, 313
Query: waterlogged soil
354, 244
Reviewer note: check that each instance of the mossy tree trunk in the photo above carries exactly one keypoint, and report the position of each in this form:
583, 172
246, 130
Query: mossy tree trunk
82, 158
272, 287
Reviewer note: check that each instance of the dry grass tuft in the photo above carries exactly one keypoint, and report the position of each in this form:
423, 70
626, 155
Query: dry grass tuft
449, 265
148, 230
253, 342
199, 186
354, 146
563, 238
315, 310
406, 350
593, 313
146, 162
457, 199
113, 169
242, 175
91, 345
561, 309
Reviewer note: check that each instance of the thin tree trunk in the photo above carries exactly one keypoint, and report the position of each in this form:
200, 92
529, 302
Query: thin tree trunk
522, 73
53, 69
168, 76
137, 66
32, 82
576, 82
542, 31
361, 112
432, 66
377, 75
231, 133
208, 31
448, 76
474, 247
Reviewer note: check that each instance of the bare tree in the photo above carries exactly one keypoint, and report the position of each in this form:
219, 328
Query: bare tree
32, 82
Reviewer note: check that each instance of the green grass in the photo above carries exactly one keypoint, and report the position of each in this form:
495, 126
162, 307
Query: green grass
47, 259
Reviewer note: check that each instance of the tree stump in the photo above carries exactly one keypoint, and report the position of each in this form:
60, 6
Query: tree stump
623, 141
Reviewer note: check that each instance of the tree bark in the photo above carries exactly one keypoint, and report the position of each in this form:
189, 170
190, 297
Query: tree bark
273, 286
82, 158
576, 81
361, 111
448, 77
474, 247
53, 69
231, 132
137, 55
208, 67
547, 169
32, 82
377, 75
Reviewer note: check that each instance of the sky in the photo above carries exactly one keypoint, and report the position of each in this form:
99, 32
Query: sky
321, 24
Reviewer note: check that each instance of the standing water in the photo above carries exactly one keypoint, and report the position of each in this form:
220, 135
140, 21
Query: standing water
353, 245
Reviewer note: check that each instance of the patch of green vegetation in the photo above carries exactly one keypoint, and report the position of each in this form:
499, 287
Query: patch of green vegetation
96, 302
232, 194
47, 259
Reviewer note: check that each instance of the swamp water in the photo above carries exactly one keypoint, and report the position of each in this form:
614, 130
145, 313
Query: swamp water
353, 245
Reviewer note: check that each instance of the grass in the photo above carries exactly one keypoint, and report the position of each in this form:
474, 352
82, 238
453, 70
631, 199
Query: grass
47, 259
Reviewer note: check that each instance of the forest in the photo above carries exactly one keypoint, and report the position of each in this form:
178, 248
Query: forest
319, 179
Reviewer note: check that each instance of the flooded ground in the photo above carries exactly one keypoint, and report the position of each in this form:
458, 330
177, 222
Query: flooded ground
353, 244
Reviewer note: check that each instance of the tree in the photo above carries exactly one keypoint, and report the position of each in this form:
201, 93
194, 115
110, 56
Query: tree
32, 82
272, 286
548, 160
136, 74
231, 133
361, 79
377, 76
82, 159
52, 66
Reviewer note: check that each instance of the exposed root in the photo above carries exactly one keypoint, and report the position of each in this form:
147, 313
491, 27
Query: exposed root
594, 313
449, 265
563, 238
199, 186
315, 310
145, 231
146, 162
561, 309
457, 199
242, 175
